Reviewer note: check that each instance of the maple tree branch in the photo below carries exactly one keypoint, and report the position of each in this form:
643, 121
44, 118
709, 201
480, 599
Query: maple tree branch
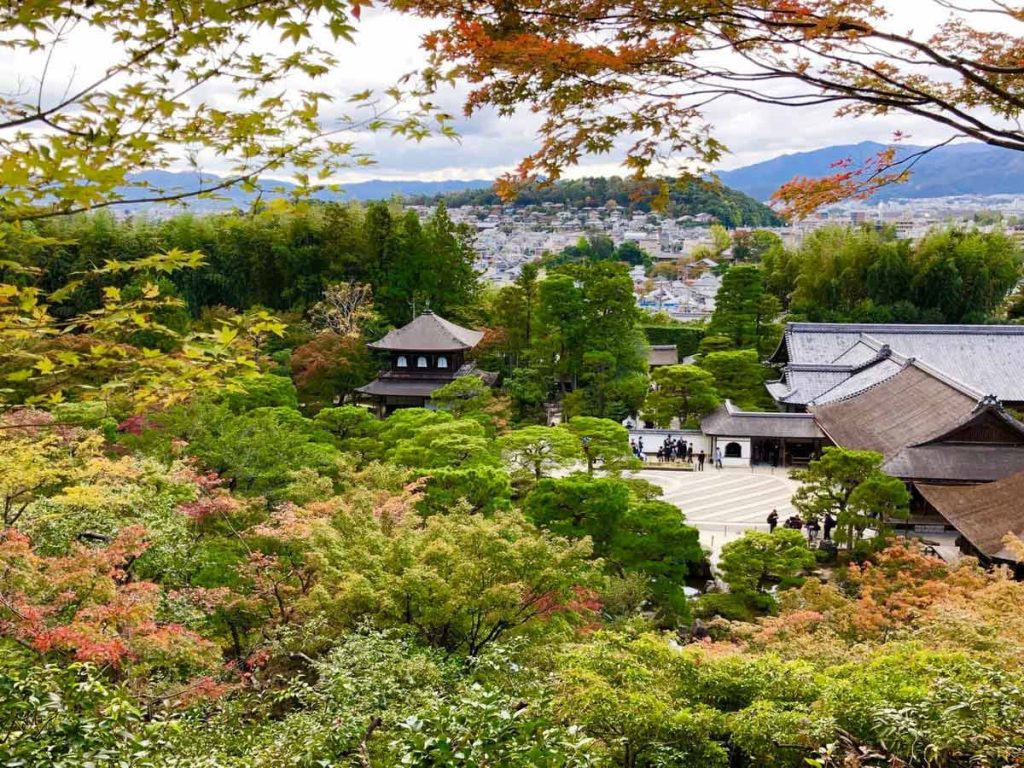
173, 32
364, 750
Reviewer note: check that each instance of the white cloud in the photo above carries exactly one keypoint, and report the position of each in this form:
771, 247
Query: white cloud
387, 47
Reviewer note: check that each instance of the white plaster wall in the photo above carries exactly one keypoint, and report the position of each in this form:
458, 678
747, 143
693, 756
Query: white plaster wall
744, 443
653, 439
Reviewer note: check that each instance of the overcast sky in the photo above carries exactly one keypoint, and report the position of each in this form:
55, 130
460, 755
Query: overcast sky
489, 145
387, 46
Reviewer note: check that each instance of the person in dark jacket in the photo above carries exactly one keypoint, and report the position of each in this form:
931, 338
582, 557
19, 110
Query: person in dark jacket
773, 521
812, 530
830, 524
700, 461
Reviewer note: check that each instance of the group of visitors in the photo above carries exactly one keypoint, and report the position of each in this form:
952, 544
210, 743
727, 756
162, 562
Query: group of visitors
675, 449
796, 523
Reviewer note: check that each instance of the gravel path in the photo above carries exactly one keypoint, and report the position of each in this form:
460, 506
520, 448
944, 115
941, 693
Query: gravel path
722, 504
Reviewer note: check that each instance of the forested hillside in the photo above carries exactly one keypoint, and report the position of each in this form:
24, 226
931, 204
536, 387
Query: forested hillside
212, 556
864, 275
685, 198
280, 258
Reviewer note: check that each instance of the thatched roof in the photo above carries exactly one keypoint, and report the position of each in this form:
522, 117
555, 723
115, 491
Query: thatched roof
983, 514
986, 445
955, 462
909, 408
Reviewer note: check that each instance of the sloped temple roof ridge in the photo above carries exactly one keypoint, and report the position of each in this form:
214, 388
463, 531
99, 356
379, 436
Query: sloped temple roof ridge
728, 420
817, 357
884, 354
429, 333
984, 513
921, 365
732, 410
908, 328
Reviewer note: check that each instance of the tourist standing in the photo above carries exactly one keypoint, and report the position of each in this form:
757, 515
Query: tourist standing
830, 524
812, 530
718, 458
773, 520
700, 460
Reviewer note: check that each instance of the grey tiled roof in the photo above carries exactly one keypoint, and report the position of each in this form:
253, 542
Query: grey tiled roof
988, 358
420, 388
729, 421
803, 385
860, 381
429, 333
860, 353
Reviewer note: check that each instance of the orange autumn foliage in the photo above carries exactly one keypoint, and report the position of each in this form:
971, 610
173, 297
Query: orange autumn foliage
87, 606
636, 79
902, 594
803, 195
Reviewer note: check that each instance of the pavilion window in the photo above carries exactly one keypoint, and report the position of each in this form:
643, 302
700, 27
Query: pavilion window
422, 362
733, 451
402, 362
442, 361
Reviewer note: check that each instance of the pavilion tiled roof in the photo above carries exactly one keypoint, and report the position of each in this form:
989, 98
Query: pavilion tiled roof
729, 421
983, 514
402, 388
802, 384
429, 333
869, 376
988, 358
861, 366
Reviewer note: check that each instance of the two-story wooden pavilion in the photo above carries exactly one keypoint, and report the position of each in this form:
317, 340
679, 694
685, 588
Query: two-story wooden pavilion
423, 356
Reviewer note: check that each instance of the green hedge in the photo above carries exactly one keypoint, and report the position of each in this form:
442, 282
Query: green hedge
684, 337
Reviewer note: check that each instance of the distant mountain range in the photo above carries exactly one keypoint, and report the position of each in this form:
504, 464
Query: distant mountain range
376, 189
957, 169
